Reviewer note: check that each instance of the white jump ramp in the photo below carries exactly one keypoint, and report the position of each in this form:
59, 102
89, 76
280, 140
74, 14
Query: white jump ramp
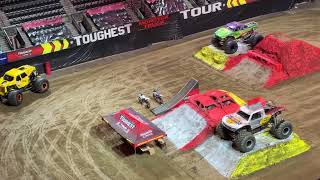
224, 158
184, 124
181, 125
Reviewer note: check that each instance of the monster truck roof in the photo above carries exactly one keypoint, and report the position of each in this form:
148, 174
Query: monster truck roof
17, 71
250, 109
205, 100
234, 25
14, 72
210, 97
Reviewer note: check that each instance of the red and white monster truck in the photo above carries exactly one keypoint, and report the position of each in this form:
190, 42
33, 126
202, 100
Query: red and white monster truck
252, 118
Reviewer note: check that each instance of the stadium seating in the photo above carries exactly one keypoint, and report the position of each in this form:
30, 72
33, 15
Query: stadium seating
109, 16
165, 7
46, 30
87, 4
20, 11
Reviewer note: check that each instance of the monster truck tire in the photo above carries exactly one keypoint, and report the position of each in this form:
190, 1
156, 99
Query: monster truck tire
221, 131
283, 130
255, 39
15, 98
230, 46
215, 42
244, 141
40, 85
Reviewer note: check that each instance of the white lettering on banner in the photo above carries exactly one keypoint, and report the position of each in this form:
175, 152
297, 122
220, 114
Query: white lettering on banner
86, 39
23, 53
202, 10
146, 134
124, 128
101, 35
127, 122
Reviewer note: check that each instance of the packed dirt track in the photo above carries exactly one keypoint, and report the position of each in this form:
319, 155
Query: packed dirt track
60, 135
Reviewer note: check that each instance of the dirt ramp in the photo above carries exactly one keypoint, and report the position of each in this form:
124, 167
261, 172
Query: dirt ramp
274, 60
296, 56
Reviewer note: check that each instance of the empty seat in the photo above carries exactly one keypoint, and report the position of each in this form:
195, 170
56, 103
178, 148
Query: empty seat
46, 30
87, 4
109, 16
26, 4
160, 7
34, 10
20, 11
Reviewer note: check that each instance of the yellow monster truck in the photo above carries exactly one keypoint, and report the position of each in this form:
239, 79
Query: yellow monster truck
18, 80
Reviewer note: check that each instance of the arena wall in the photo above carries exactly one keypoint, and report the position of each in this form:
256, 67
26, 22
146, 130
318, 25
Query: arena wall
140, 34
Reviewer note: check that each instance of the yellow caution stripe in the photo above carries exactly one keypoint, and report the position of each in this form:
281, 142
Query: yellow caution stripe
47, 48
235, 3
229, 4
57, 45
65, 44
242, 2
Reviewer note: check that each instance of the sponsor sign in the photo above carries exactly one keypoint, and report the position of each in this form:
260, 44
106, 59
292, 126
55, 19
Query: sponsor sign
45, 48
154, 22
125, 124
24, 53
102, 35
146, 134
3, 58
212, 8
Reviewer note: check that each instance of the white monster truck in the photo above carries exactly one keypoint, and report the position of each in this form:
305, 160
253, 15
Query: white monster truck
240, 127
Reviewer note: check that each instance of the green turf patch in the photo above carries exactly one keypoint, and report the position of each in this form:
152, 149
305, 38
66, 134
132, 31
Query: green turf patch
214, 59
269, 156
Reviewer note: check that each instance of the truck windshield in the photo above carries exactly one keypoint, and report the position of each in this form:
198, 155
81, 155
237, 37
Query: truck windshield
211, 107
244, 115
8, 78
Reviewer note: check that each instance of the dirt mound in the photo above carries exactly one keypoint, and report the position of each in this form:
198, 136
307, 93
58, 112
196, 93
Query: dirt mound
250, 72
285, 59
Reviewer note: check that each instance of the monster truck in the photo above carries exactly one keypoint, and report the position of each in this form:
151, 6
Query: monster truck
226, 37
18, 80
215, 104
241, 126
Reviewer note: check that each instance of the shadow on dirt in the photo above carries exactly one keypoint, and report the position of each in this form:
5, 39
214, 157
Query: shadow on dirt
28, 99
111, 138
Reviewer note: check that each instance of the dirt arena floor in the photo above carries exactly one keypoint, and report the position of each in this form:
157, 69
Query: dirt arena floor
54, 135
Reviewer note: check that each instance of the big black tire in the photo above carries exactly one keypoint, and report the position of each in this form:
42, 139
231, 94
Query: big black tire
283, 130
255, 39
40, 85
221, 132
230, 46
244, 141
15, 98
215, 42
